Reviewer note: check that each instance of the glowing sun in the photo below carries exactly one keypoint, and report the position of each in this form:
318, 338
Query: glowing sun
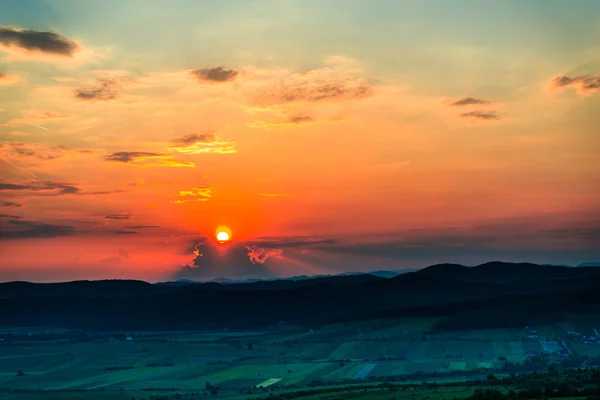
223, 234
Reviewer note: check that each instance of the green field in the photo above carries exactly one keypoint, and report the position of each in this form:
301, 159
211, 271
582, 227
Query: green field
272, 361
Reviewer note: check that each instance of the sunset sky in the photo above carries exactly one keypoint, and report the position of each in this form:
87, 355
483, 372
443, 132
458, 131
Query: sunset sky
327, 135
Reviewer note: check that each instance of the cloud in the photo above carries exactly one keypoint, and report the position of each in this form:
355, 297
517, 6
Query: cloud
105, 89
146, 159
214, 75
481, 115
231, 261
334, 83
126, 232
260, 255
10, 216
19, 150
291, 122
21, 229
584, 84
469, 101
49, 188
196, 194
142, 226
200, 144
118, 216
11, 204
30, 41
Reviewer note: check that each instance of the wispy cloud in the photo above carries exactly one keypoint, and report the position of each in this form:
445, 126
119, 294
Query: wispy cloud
584, 85
22, 229
48, 188
120, 216
214, 75
469, 101
146, 159
332, 83
11, 204
481, 115
196, 194
291, 122
19, 150
105, 89
201, 144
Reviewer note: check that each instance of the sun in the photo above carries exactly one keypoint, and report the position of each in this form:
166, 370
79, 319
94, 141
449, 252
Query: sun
223, 234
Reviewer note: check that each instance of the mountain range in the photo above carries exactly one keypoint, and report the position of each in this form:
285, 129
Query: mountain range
488, 294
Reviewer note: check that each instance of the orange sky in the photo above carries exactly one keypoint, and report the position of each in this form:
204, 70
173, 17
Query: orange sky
327, 136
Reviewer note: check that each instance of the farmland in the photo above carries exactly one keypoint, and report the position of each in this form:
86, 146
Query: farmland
243, 363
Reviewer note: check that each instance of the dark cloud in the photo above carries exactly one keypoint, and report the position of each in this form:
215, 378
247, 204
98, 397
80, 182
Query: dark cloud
105, 89
481, 115
10, 216
142, 226
130, 156
11, 204
215, 74
194, 138
585, 84
126, 233
235, 260
146, 159
37, 41
20, 229
47, 188
118, 216
469, 101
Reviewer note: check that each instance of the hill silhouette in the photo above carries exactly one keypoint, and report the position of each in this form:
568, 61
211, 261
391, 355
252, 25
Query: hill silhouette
486, 294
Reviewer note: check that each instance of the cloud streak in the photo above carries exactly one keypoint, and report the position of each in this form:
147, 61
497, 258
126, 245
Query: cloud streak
469, 101
481, 115
146, 159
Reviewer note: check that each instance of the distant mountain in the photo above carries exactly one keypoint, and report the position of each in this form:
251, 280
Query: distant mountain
492, 290
590, 264
503, 272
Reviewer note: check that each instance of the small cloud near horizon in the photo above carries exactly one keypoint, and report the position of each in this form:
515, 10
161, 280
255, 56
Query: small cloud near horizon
214, 75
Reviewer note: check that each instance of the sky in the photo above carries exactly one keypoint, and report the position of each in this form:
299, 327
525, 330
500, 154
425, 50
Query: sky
326, 135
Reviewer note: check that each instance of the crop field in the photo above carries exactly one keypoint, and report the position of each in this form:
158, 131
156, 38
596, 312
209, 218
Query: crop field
237, 362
